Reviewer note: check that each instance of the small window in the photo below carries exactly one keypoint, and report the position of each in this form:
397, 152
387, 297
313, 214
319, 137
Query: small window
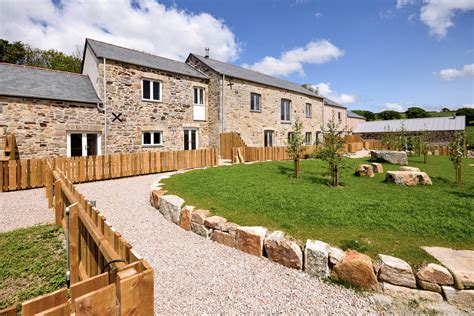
152, 138
151, 90
255, 102
290, 136
199, 96
307, 138
339, 116
309, 110
268, 138
285, 110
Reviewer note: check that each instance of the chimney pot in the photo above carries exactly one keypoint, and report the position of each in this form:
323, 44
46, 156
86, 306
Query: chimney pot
207, 52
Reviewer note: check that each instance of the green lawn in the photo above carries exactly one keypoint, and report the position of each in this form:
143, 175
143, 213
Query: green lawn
32, 263
375, 216
470, 135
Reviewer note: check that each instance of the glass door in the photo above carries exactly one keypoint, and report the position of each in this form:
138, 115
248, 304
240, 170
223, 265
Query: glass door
191, 138
83, 144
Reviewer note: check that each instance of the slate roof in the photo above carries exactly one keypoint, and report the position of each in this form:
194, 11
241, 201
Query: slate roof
138, 58
254, 76
24, 81
354, 115
333, 103
448, 123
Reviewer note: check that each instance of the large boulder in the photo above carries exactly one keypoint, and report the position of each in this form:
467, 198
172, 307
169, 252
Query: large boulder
463, 299
316, 257
407, 168
364, 170
356, 269
335, 255
228, 227
396, 271
214, 221
250, 239
223, 238
200, 229
199, 216
378, 167
393, 157
408, 178
185, 217
435, 273
411, 294
170, 207
155, 197
430, 286
283, 251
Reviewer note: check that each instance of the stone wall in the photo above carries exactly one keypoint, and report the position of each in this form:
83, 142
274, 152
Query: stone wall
439, 138
352, 122
331, 113
171, 115
41, 126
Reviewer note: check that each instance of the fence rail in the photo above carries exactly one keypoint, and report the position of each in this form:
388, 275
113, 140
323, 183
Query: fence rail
267, 153
30, 173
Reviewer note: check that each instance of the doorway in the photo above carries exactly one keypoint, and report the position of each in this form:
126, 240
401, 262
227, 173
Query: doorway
191, 138
83, 144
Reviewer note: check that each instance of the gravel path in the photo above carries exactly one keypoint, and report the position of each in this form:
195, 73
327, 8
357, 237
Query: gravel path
194, 275
24, 208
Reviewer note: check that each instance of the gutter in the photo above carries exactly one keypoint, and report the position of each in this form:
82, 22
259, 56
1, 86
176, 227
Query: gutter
222, 104
105, 106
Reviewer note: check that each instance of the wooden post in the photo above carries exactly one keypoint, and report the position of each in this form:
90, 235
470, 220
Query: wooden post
73, 231
58, 202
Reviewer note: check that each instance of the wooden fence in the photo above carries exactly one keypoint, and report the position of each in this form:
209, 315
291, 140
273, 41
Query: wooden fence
229, 141
107, 276
30, 173
268, 153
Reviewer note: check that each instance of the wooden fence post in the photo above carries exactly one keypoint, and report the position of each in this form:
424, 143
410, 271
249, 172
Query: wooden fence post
73, 231
58, 202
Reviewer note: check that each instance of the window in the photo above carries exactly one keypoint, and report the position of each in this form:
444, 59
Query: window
151, 90
339, 116
199, 96
290, 136
152, 138
319, 137
191, 136
83, 144
268, 138
285, 110
199, 111
309, 110
255, 102
307, 138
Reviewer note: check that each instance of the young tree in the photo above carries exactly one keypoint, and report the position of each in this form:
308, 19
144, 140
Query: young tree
424, 144
295, 145
456, 151
332, 150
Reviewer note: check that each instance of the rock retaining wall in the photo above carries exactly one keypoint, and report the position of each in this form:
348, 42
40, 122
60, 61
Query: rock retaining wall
391, 276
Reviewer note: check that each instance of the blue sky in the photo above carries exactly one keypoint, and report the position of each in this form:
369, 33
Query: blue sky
367, 54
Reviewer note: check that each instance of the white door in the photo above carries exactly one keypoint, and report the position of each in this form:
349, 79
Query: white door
191, 138
83, 144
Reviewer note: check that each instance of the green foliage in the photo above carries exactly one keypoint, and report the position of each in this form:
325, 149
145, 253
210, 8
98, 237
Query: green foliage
425, 144
386, 218
354, 245
369, 116
469, 113
332, 150
456, 152
470, 136
295, 144
32, 263
416, 112
445, 110
23, 54
389, 115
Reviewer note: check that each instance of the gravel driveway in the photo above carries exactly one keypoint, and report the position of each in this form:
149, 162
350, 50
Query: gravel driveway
194, 275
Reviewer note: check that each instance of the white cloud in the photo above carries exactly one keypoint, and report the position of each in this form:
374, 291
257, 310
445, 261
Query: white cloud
148, 26
318, 14
437, 14
315, 52
453, 73
471, 106
393, 107
402, 3
324, 89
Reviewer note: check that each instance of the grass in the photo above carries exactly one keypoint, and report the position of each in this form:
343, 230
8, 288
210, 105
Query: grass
470, 135
375, 216
32, 263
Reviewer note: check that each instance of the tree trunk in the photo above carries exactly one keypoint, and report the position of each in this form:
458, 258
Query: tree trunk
424, 157
297, 168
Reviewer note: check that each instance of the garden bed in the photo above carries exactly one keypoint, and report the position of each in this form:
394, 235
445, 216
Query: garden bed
366, 214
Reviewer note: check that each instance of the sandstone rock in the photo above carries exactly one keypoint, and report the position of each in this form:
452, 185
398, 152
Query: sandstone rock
155, 197
200, 229
223, 238
283, 251
185, 217
459, 262
335, 255
396, 271
228, 227
170, 207
356, 268
407, 168
378, 167
408, 178
214, 221
411, 294
199, 216
250, 239
364, 170
435, 273
463, 299
430, 286
393, 157
316, 258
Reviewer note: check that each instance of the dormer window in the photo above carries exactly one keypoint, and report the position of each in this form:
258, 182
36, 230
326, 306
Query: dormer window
151, 90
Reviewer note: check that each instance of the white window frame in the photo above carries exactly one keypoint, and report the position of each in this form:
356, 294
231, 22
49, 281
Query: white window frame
188, 129
310, 142
152, 82
309, 113
285, 111
152, 138
256, 97
84, 142
268, 135
201, 95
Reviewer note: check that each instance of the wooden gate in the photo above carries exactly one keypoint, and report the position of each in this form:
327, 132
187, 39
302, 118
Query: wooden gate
229, 141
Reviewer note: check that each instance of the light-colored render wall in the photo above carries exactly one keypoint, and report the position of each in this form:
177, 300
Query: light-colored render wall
331, 112
90, 68
352, 122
